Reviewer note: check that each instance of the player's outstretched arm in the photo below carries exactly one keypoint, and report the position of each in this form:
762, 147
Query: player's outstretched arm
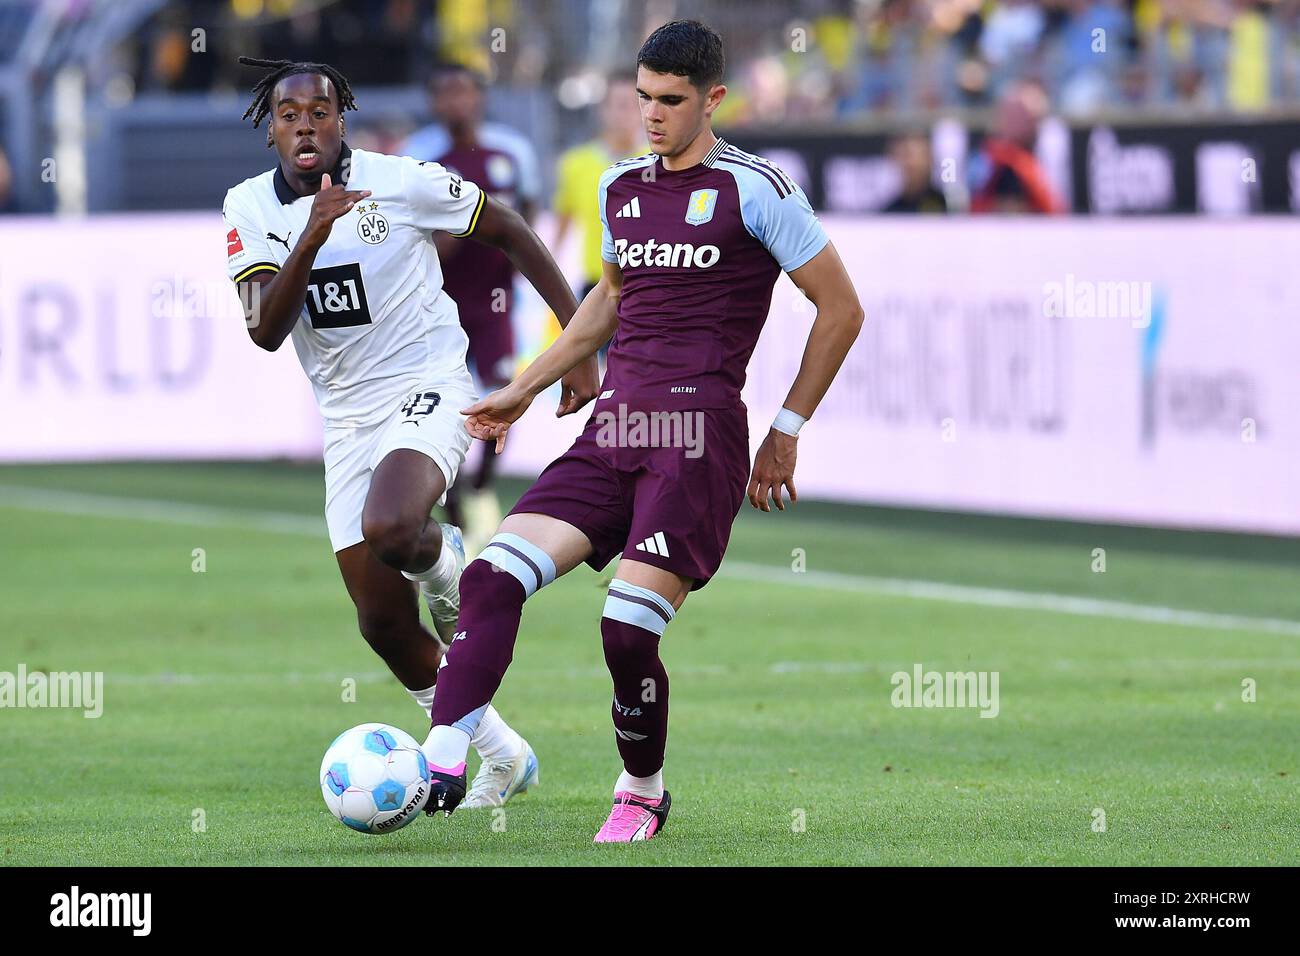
592, 325
500, 226
273, 301
825, 282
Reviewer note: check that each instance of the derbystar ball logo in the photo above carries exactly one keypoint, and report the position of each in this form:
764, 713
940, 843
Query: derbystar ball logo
413, 804
679, 255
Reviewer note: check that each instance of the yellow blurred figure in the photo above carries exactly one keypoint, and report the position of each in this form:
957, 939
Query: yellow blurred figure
1248, 61
578, 180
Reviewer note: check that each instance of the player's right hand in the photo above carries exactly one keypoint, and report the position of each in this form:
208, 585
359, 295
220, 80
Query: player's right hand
491, 417
331, 203
773, 470
579, 386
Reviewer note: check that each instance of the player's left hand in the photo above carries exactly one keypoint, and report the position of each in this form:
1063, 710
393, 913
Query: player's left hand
773, 470
490, 417
578, 387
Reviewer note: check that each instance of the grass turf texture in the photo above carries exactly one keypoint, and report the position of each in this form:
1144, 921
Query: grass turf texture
223, 688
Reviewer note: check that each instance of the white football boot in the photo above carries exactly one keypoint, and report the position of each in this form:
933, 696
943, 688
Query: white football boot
444, 600
499, 780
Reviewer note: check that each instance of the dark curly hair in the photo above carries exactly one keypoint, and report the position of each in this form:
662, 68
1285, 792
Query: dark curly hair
277, 70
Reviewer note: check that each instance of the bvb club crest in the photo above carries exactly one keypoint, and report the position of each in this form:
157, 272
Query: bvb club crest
373, 228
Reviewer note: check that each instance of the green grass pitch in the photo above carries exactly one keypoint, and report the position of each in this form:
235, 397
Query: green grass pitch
223, 688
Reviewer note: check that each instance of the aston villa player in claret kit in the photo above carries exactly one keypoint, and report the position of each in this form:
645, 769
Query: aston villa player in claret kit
696, 233
333, 248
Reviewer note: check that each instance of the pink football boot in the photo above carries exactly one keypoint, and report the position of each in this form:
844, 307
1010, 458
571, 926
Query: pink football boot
634, 818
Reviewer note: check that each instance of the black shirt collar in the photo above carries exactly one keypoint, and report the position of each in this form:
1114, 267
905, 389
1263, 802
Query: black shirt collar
339, 174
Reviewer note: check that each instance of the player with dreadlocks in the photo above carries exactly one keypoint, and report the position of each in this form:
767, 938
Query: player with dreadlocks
334, 248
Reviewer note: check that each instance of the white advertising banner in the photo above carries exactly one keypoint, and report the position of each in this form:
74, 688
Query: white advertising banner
1127, 370
121, 337
1117, 370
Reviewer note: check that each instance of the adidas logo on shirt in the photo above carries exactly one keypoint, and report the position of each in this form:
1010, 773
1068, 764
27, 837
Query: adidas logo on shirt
630, 210
655, 544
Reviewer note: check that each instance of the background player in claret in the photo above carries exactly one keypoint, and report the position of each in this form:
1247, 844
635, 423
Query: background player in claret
353, 277
479, 279
695, 235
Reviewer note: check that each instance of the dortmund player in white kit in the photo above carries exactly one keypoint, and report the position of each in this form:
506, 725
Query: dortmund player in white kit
334, 248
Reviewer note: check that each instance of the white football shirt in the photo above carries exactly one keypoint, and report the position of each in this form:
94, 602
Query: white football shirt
376, 322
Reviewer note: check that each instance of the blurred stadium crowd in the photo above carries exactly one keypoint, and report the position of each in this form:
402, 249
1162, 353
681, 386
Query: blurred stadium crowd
810, 60
798, 66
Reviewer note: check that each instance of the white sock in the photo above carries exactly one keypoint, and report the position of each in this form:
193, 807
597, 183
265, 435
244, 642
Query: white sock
446, 747
493, 739
424, 698
651, 788
438, 573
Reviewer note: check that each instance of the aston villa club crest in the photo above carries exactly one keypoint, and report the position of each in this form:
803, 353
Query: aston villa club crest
699, 209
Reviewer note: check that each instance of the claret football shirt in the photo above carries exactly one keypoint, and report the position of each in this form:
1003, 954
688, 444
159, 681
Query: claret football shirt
700, 250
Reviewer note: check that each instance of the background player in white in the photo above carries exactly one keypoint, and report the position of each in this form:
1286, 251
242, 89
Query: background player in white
334, 248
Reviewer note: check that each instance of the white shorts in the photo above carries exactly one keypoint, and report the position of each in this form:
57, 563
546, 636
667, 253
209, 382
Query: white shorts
427, 420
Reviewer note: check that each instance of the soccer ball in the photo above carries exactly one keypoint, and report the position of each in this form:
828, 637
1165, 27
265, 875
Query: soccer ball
374, 778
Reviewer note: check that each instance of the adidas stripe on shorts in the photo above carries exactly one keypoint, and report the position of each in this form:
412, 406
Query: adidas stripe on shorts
671, 507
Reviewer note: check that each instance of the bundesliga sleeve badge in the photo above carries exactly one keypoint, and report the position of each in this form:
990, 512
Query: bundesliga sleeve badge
699, 209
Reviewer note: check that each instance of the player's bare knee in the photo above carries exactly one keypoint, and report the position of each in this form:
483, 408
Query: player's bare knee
394, 539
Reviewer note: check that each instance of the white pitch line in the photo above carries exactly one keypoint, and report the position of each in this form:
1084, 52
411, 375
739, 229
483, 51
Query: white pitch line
1018, 600
139, 509
166, 512
186, 679
173, 679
